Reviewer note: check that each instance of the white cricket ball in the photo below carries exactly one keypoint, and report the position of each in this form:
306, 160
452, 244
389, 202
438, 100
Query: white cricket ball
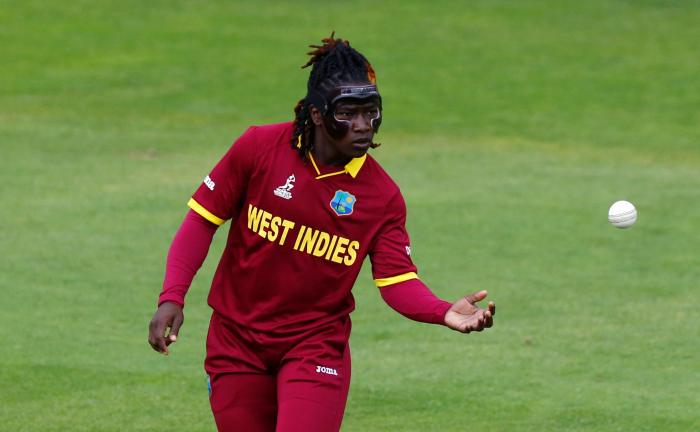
622, 214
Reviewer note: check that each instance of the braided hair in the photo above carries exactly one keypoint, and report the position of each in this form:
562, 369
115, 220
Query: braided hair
333, 63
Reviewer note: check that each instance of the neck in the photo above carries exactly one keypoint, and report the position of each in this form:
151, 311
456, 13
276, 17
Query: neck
325, 154
329, 158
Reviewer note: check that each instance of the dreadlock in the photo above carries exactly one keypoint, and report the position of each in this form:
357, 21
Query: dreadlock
333, 63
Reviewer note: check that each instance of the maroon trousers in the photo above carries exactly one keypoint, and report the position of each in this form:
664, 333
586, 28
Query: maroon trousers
264, 382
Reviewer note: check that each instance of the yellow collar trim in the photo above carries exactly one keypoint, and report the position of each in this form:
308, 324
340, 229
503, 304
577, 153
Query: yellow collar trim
353, 167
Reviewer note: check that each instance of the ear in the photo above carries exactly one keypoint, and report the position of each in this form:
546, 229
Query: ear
316, 116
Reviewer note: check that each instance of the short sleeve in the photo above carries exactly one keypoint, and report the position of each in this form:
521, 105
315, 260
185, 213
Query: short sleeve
391, 252
222, 192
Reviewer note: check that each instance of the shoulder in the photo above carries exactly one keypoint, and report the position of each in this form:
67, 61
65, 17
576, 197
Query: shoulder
378, 176
269, 137
386, 189
260, 139
271, 133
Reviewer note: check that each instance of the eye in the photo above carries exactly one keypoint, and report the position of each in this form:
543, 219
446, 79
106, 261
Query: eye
344, 114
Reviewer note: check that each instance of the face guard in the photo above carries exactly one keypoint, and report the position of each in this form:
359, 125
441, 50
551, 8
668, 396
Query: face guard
338, 126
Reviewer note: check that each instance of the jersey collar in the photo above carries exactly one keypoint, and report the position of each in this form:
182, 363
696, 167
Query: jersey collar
352, 168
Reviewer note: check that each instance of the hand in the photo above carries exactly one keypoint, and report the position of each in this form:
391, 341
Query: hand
464, 316
169, 315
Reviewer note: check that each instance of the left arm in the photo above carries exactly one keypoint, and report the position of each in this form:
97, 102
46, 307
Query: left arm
414, 300
395, 276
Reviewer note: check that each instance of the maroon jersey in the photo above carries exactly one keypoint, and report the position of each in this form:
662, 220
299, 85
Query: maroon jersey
299, 232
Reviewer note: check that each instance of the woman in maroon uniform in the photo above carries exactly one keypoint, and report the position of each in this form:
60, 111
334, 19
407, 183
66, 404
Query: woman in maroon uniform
307, 204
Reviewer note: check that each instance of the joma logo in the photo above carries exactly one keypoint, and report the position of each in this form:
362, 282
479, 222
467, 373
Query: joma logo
209, 182
326, 370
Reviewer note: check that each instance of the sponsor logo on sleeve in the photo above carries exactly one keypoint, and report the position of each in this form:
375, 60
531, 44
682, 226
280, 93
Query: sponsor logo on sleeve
209, 182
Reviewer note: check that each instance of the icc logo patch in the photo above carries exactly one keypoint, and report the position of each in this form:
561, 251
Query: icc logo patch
343, 203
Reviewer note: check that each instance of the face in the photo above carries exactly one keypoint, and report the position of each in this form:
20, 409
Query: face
348, 128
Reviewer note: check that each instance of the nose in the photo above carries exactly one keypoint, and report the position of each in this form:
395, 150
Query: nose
361, 124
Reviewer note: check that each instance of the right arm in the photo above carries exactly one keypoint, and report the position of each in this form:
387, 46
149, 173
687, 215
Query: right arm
186, 255
216, 200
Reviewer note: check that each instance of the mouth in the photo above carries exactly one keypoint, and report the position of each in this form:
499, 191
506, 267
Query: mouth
362, 143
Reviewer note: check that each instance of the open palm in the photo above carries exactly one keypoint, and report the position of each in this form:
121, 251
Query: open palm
465, 316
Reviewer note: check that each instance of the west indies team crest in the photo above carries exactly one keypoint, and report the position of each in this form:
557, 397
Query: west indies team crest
343, 203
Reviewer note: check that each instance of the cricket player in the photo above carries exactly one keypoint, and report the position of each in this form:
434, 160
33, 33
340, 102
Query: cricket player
307, 204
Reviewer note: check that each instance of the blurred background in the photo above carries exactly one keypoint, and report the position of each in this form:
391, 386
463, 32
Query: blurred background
511, 127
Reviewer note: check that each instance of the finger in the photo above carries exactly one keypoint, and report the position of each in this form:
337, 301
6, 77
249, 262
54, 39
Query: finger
174, 329
477, 296
488, 322
153, 335
473, 325
162, 345
156, 338
170, 339
480, 322
492, 308
152, 342
177, 323
158, 344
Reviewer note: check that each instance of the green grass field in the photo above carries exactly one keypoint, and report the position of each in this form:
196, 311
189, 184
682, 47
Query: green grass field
510, 126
